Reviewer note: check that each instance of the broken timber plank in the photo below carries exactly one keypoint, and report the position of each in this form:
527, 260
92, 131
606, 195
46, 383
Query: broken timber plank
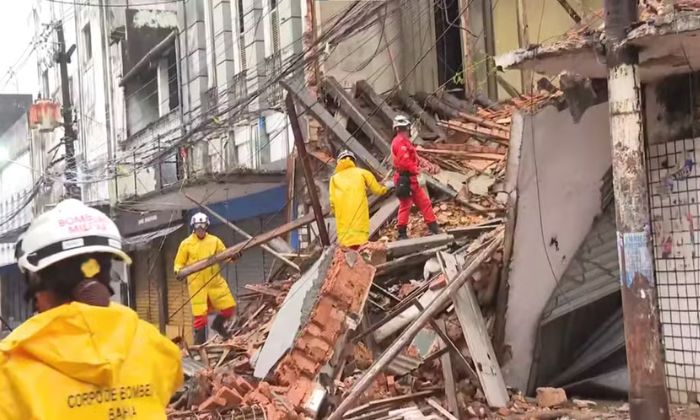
329, 123
409, 260
245, 234
371, 96
383, 215
427, 119
250, 243
440, 409
367, 378
470, 155
413, 245
476, 335
437, 105
475, 129
448, 374
352, 110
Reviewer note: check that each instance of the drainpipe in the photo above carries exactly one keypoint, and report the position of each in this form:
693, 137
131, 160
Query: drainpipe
109, 100
648, 398
188, 79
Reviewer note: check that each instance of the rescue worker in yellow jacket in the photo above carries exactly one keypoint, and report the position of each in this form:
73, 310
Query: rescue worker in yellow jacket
348, 198
207, 287
81, 356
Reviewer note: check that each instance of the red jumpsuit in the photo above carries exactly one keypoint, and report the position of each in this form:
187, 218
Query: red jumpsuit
405, 159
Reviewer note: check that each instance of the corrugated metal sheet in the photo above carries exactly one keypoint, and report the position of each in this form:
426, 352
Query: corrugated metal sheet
592, 274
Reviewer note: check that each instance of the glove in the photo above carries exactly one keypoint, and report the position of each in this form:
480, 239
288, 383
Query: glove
389, 184
234, 258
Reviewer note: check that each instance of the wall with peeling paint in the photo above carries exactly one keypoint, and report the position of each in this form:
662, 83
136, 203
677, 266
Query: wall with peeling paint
546, 20
670, 107
560, 173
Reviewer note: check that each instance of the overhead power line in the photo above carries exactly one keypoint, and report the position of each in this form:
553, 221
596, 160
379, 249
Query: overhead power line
107, 5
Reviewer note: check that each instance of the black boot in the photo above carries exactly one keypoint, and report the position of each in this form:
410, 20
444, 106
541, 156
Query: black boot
434, 228
218, 326
200, 335
402, 232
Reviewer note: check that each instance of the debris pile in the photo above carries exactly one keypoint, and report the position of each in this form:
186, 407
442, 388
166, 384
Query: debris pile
396, 329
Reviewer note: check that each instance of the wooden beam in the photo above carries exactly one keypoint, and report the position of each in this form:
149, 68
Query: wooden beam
380, 104
440, 409
524, 42
467, 48
367, 378
476, 335
232, 251
448, 374
342, 136
242, 232
417, 110
354, 112
570, 10
306, 166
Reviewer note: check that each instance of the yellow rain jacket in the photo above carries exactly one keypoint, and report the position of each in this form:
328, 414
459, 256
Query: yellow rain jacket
216, 291
79, 361
348, 197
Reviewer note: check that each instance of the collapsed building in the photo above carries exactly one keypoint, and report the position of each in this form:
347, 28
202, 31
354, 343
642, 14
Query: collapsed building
411, 328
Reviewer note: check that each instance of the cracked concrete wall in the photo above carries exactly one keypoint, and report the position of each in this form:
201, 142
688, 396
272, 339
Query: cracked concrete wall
562, 165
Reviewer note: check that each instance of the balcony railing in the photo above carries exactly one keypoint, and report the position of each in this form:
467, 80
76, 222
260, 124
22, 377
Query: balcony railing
273, 67
239, 85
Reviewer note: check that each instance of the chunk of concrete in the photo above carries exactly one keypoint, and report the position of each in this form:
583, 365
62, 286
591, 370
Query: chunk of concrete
551, 397
292, 315
404, 318
409, 246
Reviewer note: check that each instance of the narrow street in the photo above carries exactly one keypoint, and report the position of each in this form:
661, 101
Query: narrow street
350, 210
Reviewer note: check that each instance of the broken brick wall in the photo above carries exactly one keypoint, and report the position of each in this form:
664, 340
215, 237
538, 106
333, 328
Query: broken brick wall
338, 308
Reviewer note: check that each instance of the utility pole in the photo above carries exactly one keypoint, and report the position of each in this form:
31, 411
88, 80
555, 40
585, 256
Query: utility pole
648, 398
63, 58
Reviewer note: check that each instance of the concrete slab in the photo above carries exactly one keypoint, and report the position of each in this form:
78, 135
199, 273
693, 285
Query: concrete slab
293, 313
409, 246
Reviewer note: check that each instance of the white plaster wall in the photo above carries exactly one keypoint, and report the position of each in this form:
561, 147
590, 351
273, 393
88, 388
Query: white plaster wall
566, 162
280, 136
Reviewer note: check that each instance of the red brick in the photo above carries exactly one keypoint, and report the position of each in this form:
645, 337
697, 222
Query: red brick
211, 403
255, 397
299, 391
232, 398
305, 365
323, 309
243, 385
438, 283
319, 349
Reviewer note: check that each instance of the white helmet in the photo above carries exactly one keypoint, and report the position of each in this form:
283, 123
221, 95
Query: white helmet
69, 229
346, 154
199, 218
400, 121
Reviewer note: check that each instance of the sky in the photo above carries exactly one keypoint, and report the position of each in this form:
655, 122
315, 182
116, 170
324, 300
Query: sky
15, 37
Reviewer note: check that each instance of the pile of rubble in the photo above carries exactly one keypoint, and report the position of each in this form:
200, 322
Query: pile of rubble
398, 329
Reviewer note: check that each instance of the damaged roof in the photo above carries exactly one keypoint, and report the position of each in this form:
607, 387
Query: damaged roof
665, 38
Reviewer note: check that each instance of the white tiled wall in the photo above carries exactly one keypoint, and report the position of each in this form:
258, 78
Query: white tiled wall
674, 185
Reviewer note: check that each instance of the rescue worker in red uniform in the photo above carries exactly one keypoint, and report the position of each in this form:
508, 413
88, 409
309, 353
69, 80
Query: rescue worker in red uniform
409, 192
